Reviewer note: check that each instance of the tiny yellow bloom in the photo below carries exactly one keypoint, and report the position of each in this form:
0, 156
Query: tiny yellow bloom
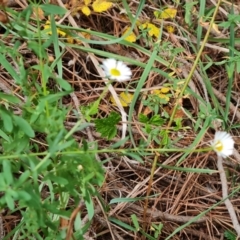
170, 29
72, 40
86, 10
165, 90
87, 2
125, 99
165, 14
153, 30
101, 5
47, 26
161, 95
131, 37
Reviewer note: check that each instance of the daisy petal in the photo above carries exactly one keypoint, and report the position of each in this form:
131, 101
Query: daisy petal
223, 144
116, 70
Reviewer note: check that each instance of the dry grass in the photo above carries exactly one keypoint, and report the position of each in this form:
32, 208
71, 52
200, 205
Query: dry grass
176, 196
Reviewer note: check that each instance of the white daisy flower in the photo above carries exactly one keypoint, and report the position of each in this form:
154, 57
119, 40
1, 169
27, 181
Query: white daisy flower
223, 144
116, 70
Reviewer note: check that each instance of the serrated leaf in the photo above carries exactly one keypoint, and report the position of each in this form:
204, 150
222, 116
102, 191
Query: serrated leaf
107, 126
143, 118
230, 235
156, 120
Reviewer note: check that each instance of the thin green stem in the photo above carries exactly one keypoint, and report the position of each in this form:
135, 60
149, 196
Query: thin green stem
122, 151
194, 65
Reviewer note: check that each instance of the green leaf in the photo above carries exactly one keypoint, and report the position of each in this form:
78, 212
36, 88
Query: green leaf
93, 108
230, 235
24, 125
135, 156
6, 64
53, 9
7, 120
64, 84
122, 224
7, 173
121, 200
156, 120
143, 118
188, 11
23, 195
119, 143
107, 126
4, 136
135, 222
56, 179
24, 176
9, 200
54, 97
9, 98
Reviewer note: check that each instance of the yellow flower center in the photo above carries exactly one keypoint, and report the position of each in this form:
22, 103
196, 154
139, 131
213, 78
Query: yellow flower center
219, 146
115, 72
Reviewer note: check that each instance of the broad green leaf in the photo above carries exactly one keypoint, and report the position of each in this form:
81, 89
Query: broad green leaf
9, 98
7, 119
24, 126
56, 179
7, 172
64, 84
53, 9
4, 136
9, 200
24, 195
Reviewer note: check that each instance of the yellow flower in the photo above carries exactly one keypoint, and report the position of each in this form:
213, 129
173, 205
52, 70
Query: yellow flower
125, 99
162, 93
165, 90
72, 40
47, 26
170, 29
153, 30
101, 5
130, 38
83, 6
165, 14
85, 10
